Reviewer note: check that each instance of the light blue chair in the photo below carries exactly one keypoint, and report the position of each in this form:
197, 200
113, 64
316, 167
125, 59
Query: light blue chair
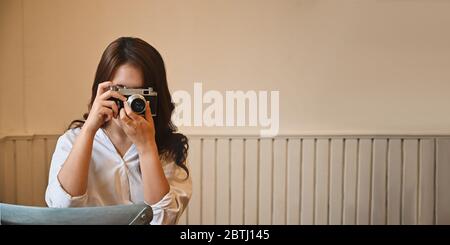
136, 214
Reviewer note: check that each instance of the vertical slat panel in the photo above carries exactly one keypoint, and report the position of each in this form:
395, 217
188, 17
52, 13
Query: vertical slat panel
209, 181
394, 184
282, 181
410, 181
307, 199
364, 181
350, 181
279, 182
2, 170
426, 182
443, 182
379, 178
251, 182
10, 172
237, 182
322, 182
24, 168
336, 185
265, 182
293, 182
223, 182
194, 159
39, 171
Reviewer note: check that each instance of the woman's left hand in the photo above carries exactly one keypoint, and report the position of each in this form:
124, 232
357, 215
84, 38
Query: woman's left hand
140, 130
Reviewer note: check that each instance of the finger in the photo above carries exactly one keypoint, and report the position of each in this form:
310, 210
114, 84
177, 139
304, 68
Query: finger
115, 108
148, 113
107, 114
112, 105
124, 117
107, 95
130, 112
103, 87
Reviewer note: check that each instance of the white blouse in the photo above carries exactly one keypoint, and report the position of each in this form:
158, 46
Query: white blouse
116, 181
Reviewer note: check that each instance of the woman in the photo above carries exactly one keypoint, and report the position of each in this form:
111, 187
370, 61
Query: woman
116, 157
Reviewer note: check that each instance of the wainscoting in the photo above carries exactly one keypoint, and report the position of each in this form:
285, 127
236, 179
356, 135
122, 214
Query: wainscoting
284, 180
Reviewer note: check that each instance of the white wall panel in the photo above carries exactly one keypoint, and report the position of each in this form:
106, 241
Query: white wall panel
285, 180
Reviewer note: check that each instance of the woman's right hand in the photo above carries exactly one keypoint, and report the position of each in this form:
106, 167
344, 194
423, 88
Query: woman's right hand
102, 109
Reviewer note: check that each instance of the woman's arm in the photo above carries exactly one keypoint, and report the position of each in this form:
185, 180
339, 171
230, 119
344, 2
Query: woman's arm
168, 192
171, 207
141, 131
154, 181
55, 195
73, 175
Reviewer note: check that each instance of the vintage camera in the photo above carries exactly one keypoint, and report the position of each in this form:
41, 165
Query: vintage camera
136, 98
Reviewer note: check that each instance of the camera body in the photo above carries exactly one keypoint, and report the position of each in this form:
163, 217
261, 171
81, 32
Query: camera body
136, 99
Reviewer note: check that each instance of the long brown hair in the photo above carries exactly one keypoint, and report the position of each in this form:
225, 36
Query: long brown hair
135, 51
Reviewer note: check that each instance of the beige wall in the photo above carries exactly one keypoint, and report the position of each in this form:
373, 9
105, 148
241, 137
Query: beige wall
345, 66
11, 68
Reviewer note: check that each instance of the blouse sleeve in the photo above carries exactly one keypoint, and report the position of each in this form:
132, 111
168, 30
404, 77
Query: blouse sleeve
169, 209
55, 195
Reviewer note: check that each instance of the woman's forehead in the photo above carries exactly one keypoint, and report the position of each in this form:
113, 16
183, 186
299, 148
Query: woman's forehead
128, 76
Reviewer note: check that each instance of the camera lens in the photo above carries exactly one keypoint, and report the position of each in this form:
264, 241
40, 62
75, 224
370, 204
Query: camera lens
138, 105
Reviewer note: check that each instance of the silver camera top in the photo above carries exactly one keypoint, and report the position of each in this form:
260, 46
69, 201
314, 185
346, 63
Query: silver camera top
136, 98
131, 91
